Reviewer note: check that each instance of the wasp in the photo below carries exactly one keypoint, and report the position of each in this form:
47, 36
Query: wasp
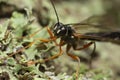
70, 37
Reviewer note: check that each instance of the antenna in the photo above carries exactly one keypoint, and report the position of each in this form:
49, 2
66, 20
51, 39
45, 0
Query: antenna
55, 10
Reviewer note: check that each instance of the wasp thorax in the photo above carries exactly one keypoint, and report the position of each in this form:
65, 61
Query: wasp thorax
61, 30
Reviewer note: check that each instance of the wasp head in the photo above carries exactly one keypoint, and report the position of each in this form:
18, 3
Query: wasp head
61, 30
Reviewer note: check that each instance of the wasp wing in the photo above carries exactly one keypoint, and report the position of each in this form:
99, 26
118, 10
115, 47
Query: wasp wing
92, 29
113, 37
93, 24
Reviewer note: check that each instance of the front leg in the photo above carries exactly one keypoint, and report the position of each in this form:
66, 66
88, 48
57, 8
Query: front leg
52, 36
48, 59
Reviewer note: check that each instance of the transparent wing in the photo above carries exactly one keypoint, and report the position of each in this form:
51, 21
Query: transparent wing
93, 29
93, 24
113, 37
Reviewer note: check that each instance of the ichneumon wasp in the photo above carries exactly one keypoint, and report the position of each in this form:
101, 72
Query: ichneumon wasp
69, 37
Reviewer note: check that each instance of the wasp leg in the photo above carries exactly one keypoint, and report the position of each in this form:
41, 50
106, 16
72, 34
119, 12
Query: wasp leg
22, 49
50, 58
52, 36
16, 52
29, 45
29, 36
55, 56
74, 57
83, 47
33, 34
47, 59
86, 46
90, 60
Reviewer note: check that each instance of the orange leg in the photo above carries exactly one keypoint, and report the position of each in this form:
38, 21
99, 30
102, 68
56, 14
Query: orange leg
29, 45
86, 46
17, 51
57, 55
48, 59
31, 35
52, 38
75, 58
